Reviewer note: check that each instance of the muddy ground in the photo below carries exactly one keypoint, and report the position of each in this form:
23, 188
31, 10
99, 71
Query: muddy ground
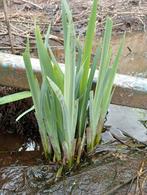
111, 172
114, 173
9, 112
127, 15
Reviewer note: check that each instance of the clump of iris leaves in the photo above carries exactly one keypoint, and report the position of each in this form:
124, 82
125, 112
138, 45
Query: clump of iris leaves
69, 113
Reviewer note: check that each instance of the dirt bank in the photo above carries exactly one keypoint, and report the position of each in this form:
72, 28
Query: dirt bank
9, 113
128, 15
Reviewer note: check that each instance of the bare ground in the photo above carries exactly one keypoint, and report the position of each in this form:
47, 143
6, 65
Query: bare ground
127, 15
126, 174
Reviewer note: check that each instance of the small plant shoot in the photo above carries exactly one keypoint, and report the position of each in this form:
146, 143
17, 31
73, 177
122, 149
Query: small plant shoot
69, 113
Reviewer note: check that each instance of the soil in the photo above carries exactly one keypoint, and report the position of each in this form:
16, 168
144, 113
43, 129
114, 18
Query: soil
9, 113
127, 15
16, 139
19, 141
112, 173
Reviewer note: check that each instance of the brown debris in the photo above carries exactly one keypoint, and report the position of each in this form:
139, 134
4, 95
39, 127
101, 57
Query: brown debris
127, 15
8, 25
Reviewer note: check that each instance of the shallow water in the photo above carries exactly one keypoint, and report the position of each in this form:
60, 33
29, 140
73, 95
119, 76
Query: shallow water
16, 150
23, 170
21, 161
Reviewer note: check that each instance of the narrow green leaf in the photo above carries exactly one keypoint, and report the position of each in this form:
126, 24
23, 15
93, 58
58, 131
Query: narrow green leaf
88, 45
67, 122
84, 102
15, 97
60, 97
79, 55
78, 78
69, 76
104, 63
35, 91
91, 131
74, 119
33, 82
51, 124
47, 36
58, 74
45, 62
112, 75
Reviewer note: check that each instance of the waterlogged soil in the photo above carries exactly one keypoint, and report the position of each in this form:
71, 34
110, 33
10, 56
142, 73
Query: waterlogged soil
110, 169
114, 168
127, 15
21, 136
108, 173
9, 113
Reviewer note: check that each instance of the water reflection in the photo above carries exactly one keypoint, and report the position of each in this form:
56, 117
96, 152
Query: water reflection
17, 143
29, 145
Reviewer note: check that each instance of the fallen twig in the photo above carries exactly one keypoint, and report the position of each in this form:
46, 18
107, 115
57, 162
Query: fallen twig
112, 191
8, 25
138, 187
34, 4
140, 172
126, 144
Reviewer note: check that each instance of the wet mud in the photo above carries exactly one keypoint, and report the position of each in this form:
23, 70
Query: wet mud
23, 169
9, 113
113, 168
110, 173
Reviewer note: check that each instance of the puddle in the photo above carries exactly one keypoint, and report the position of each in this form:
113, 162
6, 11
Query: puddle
16, 143
23, 171
19, 150
29, 145
15, 150
21, 163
